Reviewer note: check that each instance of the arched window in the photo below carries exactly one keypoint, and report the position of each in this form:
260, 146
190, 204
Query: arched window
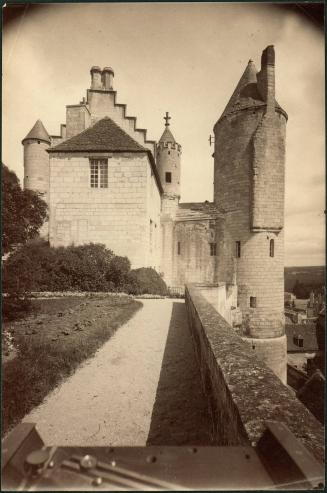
272, 248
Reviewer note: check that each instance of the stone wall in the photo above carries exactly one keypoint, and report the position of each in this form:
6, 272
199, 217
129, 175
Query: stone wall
242, 392
78, 118
193, 262
118, 216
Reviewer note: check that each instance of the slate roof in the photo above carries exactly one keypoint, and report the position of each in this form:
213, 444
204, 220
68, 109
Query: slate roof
247, 94
197, 210
307, 331
38, 132
104, 135
167, 136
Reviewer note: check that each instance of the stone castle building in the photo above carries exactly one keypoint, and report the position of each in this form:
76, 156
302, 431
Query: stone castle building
105, 182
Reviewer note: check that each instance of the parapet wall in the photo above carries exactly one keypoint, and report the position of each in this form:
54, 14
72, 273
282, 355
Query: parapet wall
242, 392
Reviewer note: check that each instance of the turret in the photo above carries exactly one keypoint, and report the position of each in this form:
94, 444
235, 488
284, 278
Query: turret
249, 174
36, 162
36, 159
169, 164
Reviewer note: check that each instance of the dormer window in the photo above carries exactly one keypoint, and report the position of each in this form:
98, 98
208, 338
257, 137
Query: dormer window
99, 173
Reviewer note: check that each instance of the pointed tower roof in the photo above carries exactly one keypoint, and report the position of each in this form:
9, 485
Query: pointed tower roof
246, 93
38, 132
167, 136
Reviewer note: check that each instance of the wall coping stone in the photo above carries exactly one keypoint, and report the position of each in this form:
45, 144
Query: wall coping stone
256, 393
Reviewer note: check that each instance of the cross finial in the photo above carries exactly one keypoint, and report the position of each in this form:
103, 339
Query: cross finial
167, 118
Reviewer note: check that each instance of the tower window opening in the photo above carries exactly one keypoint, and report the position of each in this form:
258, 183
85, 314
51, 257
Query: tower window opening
39, 142
168, 152
168, 177
178, 248
272, 248
99, 173
238, 249
213, 249
253, 302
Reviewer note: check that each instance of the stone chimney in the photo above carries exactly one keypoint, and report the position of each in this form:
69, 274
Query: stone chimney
266, 77
96, 82
107, 78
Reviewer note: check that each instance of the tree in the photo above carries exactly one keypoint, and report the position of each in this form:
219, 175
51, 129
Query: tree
23, 211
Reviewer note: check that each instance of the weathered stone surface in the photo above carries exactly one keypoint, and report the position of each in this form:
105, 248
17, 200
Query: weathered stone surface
242, 392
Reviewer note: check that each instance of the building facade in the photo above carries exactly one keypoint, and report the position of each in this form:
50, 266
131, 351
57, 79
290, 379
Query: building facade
105, 182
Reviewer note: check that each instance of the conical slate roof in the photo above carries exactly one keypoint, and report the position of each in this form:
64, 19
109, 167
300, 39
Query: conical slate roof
246, 94
38, 132
104, 135
167, 136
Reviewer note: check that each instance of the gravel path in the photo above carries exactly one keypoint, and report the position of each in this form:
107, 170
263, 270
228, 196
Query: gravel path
141, 387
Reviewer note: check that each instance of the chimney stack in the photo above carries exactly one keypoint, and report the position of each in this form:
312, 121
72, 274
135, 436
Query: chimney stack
107, 78
96, 82
266, 77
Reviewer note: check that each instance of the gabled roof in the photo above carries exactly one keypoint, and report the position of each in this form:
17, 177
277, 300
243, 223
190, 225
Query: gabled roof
246, 94
167, 136
38, 132
104, 135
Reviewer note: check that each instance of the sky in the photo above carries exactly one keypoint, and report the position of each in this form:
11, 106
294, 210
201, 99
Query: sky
185, 58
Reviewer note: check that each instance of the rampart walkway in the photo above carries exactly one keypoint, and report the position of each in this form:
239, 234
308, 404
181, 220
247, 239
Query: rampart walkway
142, 387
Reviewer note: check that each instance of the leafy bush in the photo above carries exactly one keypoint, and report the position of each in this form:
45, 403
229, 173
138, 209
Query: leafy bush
38, 267
146, 281
23, 211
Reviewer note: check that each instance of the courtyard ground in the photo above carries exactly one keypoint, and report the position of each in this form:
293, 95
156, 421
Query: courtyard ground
142, 387
52, 343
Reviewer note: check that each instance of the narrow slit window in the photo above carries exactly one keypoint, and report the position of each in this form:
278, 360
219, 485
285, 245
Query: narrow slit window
238, 249
168, 177
213, 249
99, 173
272, 248
178, 248
253, 302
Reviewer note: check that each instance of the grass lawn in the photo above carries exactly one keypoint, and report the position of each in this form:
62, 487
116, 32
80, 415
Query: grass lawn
52, 343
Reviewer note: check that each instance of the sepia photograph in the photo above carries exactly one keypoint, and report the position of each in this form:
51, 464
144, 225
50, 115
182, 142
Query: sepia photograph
163, 246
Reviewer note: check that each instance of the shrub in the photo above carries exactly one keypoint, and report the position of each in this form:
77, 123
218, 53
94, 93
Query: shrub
146, 281
15, 306
39, 267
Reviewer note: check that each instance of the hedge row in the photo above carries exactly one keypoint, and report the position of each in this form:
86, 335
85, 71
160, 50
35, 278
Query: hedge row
39, 267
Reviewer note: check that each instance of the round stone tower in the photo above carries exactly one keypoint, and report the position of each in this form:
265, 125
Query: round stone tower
249, 180
36, 163
169, 165
168, 159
